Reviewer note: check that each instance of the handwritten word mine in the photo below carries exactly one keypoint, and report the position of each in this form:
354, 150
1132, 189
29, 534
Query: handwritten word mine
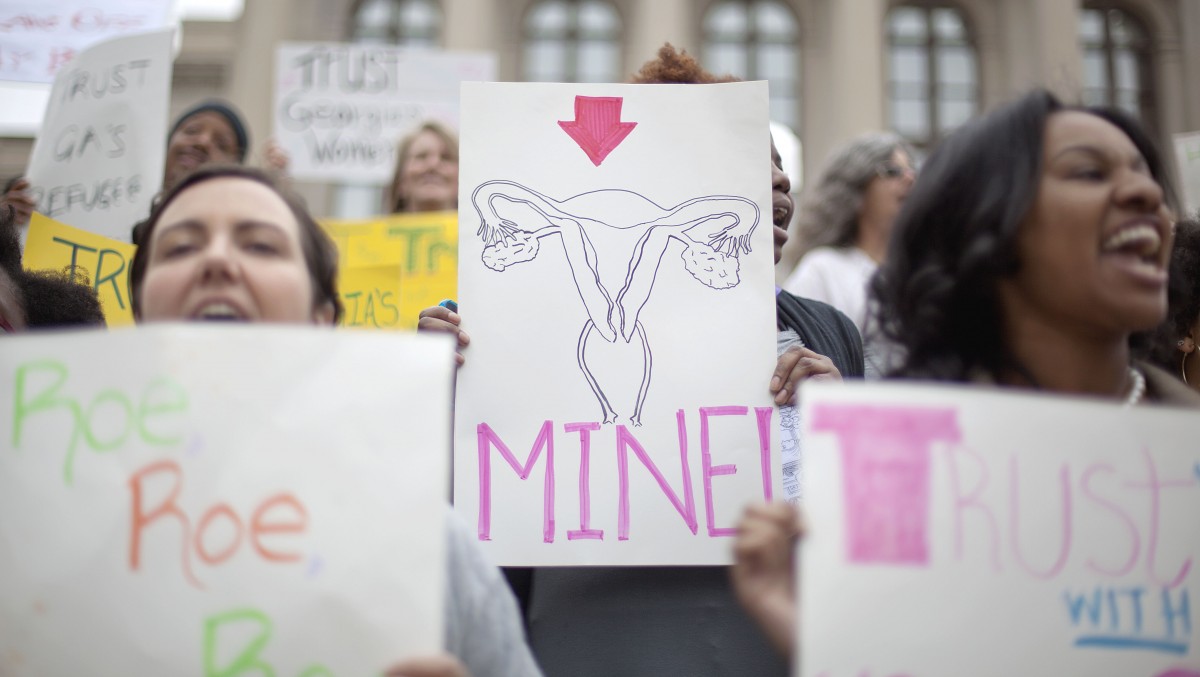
626, 445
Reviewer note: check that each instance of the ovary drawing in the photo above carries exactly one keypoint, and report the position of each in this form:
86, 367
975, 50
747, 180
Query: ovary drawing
714, 230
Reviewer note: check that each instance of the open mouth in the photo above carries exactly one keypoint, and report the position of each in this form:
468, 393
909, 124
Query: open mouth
219, 312
191, 160
1141, 241
780, 216
1138, 249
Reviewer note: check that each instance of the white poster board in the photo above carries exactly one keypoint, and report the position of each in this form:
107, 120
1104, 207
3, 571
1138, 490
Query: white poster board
40, 37
615, 277
98, 159
202, 500
1187, 159
341, 108
965, 531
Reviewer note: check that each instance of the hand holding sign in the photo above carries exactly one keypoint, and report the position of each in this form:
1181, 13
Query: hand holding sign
236, 498
98, 160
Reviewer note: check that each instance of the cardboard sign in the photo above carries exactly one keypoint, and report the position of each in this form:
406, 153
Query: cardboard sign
967, 531
102, 261
392, 267
616, 280
1187, 158
214, 500
341, 108
98, 159
39, 37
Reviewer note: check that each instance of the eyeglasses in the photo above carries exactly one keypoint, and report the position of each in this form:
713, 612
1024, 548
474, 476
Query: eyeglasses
888, 170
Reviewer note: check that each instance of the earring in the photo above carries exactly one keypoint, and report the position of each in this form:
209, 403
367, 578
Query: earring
1183, 367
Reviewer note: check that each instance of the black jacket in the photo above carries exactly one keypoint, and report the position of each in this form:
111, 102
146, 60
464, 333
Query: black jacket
824, 329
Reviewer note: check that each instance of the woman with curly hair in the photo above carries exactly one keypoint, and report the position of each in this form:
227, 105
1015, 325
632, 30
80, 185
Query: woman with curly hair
846, 221
1173, 345
40, 299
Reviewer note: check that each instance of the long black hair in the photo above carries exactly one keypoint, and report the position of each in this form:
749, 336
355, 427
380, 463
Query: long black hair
956, 237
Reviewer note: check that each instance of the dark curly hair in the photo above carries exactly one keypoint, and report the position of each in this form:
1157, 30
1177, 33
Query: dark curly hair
676, 67
49, 299
320, 254
1183, 300
956, 236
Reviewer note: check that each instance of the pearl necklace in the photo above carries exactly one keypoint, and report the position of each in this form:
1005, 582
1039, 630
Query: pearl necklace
1136, 389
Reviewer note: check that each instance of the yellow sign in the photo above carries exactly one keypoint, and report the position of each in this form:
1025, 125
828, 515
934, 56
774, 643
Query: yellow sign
395, 266
371, 296
103, 261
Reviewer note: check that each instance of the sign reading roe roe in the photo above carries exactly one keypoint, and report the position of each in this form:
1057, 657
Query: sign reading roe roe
341, 108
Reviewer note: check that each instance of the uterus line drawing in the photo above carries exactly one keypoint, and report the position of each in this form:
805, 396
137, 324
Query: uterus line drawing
714, 230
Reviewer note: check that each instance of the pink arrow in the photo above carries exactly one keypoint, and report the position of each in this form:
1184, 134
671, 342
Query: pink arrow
597, 126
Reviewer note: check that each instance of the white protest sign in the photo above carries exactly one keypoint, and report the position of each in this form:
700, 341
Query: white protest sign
965, 531
615, 276
203, 500
40, 37
1187, 158
98, 159
340, 109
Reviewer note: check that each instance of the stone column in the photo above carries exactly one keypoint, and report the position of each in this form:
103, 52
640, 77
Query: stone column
843, 85
1058, 65
843, 76
262, 26
650, 23
1189, 39
470, 25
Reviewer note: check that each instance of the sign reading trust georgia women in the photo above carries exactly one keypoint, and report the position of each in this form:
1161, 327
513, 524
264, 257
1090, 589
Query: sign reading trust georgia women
340, 108
615, 277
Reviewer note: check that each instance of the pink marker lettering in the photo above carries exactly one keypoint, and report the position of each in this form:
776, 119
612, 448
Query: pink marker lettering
1135, 540
686, 509
708, 470
488, 438
585, 496
1155, 487
885, 466
972, 501
1014, 521
764, 415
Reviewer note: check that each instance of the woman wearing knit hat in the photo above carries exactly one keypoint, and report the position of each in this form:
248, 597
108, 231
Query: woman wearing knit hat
210, 132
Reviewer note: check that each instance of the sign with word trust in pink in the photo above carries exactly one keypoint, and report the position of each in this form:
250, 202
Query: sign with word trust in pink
967, 531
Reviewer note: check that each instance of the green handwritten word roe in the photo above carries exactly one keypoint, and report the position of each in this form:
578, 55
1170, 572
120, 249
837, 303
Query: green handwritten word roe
154, 417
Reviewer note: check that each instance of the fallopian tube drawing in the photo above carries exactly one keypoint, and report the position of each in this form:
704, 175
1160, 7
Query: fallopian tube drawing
714, 229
